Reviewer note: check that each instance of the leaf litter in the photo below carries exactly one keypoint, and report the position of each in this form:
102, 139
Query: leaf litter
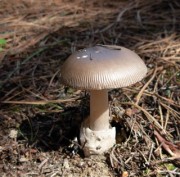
40, 118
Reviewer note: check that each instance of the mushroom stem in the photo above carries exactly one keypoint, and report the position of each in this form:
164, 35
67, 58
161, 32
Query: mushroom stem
99, 110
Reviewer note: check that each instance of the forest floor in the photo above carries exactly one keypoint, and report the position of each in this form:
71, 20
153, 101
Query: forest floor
40, 117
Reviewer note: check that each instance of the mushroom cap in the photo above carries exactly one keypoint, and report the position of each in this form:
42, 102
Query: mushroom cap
103, 67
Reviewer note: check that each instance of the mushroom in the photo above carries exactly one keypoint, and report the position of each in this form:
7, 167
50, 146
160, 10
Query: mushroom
99, 69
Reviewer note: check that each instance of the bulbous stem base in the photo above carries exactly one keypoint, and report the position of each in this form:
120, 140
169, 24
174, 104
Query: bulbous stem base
96, 142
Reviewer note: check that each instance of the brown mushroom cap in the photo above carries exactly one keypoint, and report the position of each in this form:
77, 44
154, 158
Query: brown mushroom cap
103, 67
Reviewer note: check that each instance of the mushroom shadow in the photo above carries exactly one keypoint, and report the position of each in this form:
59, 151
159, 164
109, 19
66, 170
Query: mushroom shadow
49, 132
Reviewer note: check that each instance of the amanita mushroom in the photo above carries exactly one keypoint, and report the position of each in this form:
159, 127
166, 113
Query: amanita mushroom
99, 69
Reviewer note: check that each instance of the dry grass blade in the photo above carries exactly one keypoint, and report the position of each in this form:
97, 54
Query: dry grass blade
173, 112
39, 102
138, 97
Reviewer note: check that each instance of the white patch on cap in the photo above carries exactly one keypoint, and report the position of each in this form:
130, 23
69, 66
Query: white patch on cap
84, 56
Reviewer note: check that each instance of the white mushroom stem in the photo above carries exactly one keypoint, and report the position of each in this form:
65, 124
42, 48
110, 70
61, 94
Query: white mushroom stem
99, 110
96, 134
